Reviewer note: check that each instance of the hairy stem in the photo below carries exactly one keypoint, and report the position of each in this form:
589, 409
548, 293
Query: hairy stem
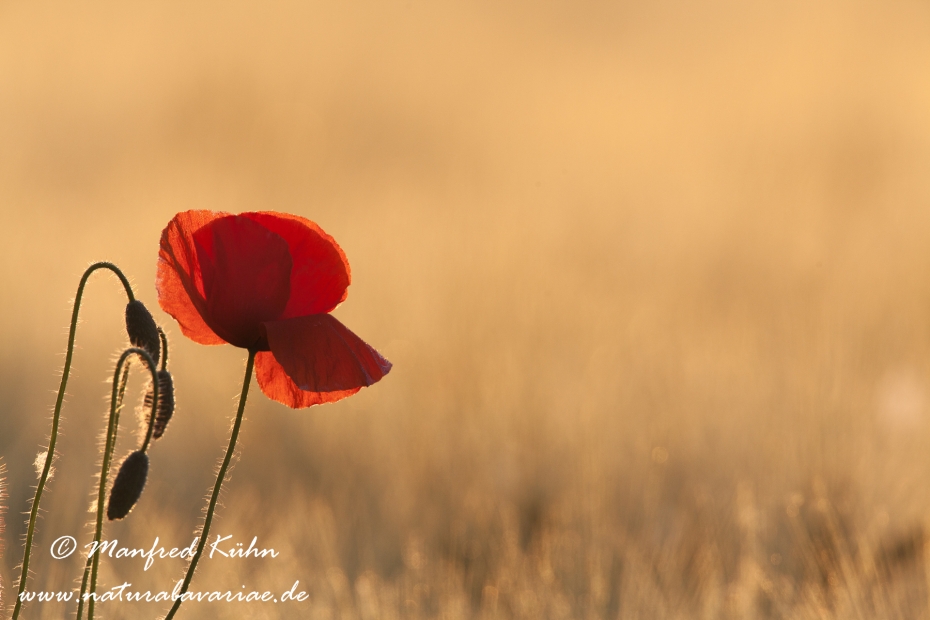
56, 418
220, 476
119, 405
93, 559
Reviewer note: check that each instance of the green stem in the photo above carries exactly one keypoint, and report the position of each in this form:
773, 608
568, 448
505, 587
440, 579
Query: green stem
56, 418
119, 406
122, 389
211, 508
112, 427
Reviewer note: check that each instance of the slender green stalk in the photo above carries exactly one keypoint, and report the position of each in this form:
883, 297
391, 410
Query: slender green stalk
112, 426
119, 405
56, 418
220, 476
122, 389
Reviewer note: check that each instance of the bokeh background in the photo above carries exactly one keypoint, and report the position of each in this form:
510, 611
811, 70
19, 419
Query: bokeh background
654, 276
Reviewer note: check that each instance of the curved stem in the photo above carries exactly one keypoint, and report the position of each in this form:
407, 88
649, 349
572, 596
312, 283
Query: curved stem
56, 418
119, 406
220, 476
122, 389
112, 426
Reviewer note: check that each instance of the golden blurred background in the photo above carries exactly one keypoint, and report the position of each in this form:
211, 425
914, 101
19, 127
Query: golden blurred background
654, 276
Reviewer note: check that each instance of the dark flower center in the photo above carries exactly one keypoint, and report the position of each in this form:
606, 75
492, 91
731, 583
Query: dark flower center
246, 272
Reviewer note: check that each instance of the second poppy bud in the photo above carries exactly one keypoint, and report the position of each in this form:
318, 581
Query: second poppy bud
165, 408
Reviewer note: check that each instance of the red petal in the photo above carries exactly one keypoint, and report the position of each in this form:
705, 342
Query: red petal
320, 274
179, 282
316, 359
278, 386
246, 272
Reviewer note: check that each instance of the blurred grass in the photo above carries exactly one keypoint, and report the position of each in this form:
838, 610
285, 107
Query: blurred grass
654, 278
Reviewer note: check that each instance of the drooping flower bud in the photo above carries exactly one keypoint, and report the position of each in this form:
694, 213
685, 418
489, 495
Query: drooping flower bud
141, 327
165, 408
128, 485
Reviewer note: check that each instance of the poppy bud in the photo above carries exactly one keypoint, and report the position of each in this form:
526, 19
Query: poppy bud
165, 408
142, 330
128, 485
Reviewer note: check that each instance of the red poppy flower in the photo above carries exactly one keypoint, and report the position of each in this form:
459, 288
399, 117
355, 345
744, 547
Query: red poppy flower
267, 282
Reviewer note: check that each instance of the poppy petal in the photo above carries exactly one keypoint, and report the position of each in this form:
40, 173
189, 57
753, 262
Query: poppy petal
320, 275
321, 359
246, 272
179, 281
276, 385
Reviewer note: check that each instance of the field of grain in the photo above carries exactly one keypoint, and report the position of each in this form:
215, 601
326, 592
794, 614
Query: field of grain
654, 277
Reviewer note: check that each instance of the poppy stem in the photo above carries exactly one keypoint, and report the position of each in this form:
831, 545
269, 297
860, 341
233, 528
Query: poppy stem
56, 418
93, 558
220, 476
119, 406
